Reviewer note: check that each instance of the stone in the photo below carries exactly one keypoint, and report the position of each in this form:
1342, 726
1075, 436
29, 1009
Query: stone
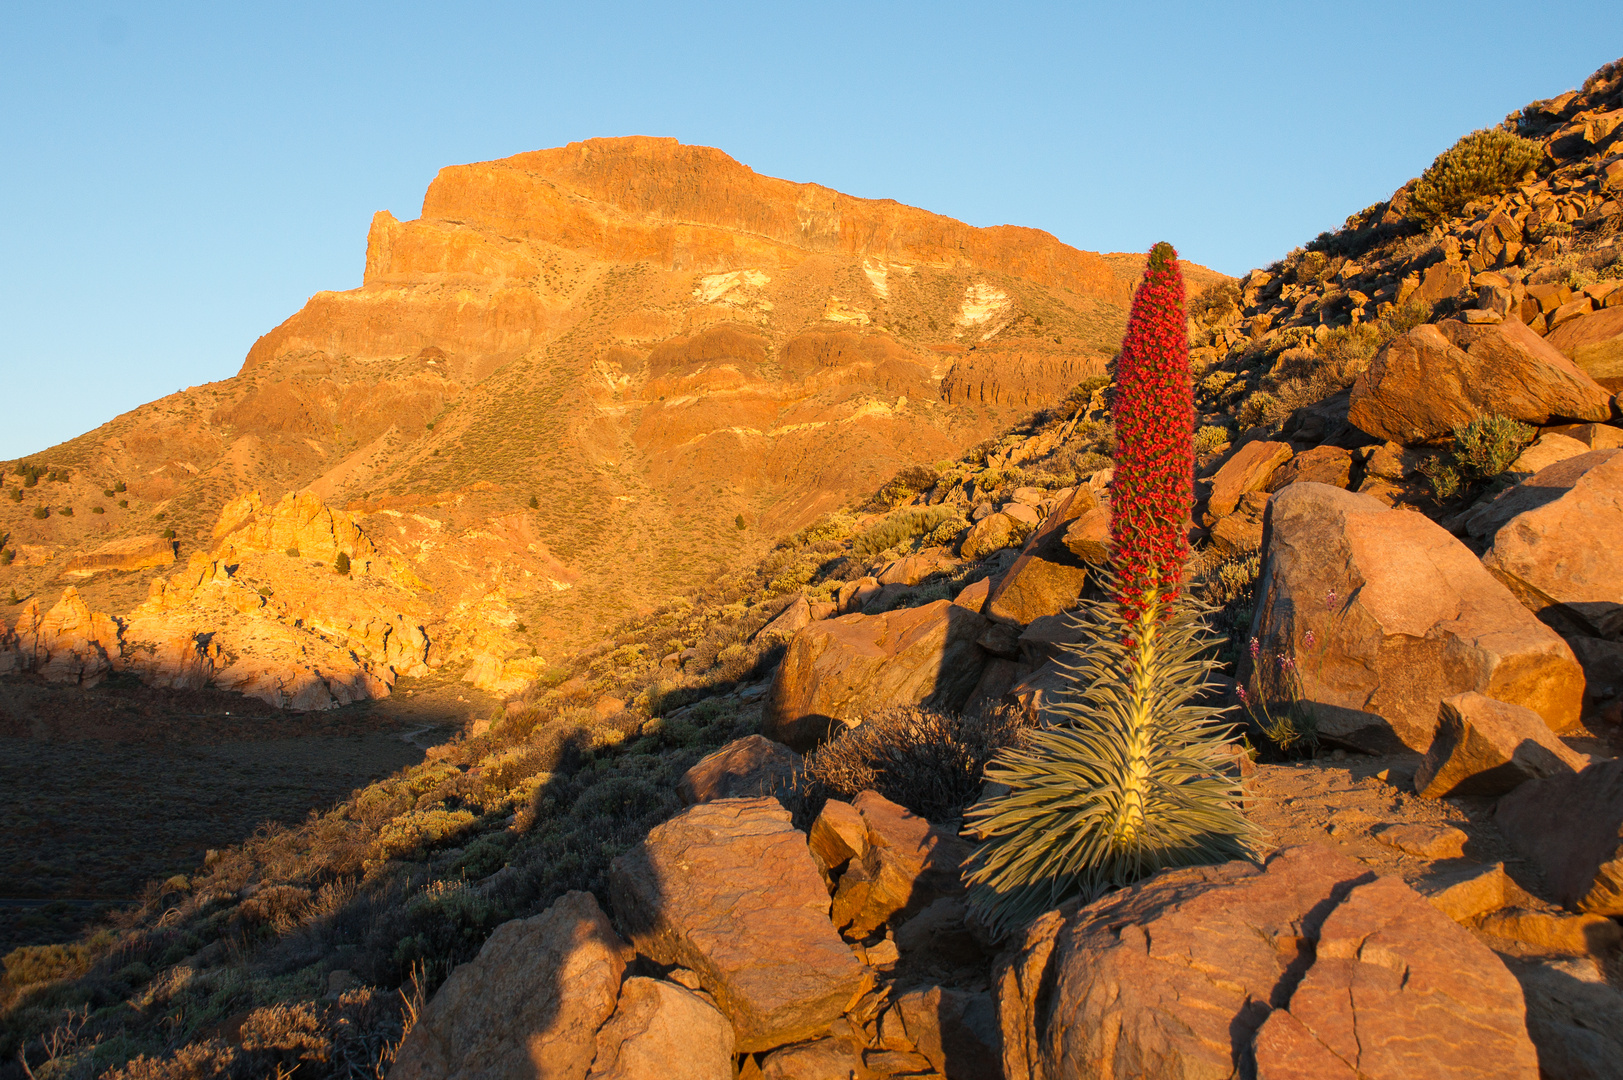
1048, 576
897, 1063
1571, 828
1088, 537
1319, 465
1593, 436
1595, 344
1547, 449
908, 865
69, 643
1561, 557
838, 670
1554, 931
1051, 637
789, 622
1427, 841
1442, 281
1402, 616
1002, 640
662, 1030
1441, 376
912, 569
973, 596
1241, 531
1311, 966
1575, 308
1488, 747
823, 1059
837, 836
729, 890
745, 767
991, 533
854, 595
1248, 469
530, 1004
1574, 1018
940, 935
1034, 695
1027, 515
1465, 892
956, 1030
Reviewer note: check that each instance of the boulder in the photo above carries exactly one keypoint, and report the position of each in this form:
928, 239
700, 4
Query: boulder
1574, 1018
1562, 558
837, 836
1547, 449
908, 865
744, 768
956, 1029
1464, 891
821, 1059
1488, 747
663, 1030
1571, 827
728, 890
1593, 436
1088, 537
854, 595
1311, 966
790, 621
1595, 344
1048, 576
1021, 512
530, 1004
1401, 615
838, 670
1033, 694
1320, 465
1543, 487
912, 569
1438, 377
1426, 841
1248, 469
1051, 637
973, 596
991, 533
1241, 531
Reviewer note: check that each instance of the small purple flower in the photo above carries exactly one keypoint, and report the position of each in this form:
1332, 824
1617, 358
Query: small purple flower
1241, 691
1309, 639
1286, 661
1256, 647
1330, 599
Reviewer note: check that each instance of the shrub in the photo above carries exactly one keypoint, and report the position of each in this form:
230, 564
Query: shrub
119, 487
67, 511
1260, 408
1218, 301
739, 523
901, 528
341, 563
1131, 777
903, 486
1483, 163
98, 510
16, 494
7, 556
169, 534
1488, 445
930, 762
41, 513
535, 503
292, 553
1209, 438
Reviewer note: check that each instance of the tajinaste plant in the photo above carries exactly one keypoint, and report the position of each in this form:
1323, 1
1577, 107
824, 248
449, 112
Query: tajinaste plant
1129, 775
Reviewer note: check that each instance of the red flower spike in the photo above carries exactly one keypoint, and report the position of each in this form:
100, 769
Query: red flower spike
1154, 411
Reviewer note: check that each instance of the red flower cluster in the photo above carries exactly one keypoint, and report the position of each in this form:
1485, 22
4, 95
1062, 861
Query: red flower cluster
1155, 453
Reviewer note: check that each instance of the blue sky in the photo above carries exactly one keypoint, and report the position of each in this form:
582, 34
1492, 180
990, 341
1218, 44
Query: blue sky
178, 178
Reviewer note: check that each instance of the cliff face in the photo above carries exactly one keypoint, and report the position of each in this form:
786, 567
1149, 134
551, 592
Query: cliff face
556, 394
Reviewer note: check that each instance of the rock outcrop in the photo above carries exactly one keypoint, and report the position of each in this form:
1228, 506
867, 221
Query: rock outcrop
1380, 615
1311, 966
1488, 747
1441, 376
839, 669
660, 1029
744, 768
728, 890
1048, 576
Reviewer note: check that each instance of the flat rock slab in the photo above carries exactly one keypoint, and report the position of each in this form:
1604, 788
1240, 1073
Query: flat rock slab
729, 890
1309, 967
838, 670
529, 1005
1383, 615
1248, 469
1571, 827
744, 768
1488, 747
1437, 377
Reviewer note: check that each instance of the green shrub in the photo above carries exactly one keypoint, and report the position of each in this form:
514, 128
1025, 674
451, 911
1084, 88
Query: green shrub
1260, 408
7, 556
119, 487
1482, 164
904, 485
169, 534
341, 563
41, 513
98, 510
67, 511
1130, 778
930, 762
1209, 438
901, 528
740, 523
292, 553
1488, 445
1218, 301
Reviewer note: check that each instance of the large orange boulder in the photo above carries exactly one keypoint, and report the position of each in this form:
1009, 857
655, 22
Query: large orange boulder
838, 670
1560, 554
1374, 616
1248, 470
1310, 966
1594, 343
530, 1004
729, 890
1441, 376
1048, 576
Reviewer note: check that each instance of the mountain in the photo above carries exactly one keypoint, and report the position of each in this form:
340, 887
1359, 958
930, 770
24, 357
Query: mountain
584, 381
